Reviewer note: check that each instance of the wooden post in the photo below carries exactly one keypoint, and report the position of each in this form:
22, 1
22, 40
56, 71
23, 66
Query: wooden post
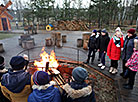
48, 42
1, 47
86, 37
56, 39
64, 38
28, 44
25, 36
59, 43
79, 42
85, 44
53, 38
20, 41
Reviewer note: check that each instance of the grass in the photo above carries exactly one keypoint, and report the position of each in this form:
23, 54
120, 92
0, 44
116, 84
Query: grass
4, 35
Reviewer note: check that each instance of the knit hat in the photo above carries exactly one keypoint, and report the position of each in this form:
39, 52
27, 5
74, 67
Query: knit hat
99, 31
118, 29
41, 78
131, 31
136, 44
18, 62
79, 74
94, 31
104, 31
1, 63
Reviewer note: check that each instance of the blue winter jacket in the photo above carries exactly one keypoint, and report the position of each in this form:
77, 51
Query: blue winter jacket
128, 47
51, 94
16, 81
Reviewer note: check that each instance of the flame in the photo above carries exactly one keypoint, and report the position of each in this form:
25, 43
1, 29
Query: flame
45, 57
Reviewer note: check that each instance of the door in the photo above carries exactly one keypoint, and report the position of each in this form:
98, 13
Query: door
4, 23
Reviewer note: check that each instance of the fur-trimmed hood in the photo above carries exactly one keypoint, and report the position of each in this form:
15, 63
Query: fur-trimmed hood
77, 93
43, 87
45, 93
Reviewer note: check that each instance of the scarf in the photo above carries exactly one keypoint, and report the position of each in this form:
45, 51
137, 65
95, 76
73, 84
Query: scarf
116, 41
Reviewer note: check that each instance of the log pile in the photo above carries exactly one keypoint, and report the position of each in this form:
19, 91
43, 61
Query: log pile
73, 25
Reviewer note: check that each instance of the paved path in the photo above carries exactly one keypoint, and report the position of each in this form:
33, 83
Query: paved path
12, 47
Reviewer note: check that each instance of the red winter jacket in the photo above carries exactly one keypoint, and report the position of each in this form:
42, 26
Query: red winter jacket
114, 52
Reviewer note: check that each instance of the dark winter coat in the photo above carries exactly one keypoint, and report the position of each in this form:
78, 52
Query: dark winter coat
16, 86
128, 47
92, 44
103, 42
2, 97
113, 51
76, 92
45, 93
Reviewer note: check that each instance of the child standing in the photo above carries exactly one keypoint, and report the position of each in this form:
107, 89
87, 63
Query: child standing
102, 47
114, 50
132, 64
92, 46
97, 37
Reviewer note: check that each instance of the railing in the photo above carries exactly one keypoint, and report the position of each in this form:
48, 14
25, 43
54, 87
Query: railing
65, 52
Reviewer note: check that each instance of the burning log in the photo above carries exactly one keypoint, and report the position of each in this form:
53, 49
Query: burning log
49, 64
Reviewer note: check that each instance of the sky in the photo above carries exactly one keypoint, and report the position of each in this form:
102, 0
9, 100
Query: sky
85, 3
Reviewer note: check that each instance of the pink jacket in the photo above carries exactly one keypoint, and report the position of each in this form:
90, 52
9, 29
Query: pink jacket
133, 61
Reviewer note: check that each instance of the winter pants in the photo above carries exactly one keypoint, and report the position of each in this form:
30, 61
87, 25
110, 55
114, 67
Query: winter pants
99, 57
124, 67
102, 56
89, 55
114, 63
131, 77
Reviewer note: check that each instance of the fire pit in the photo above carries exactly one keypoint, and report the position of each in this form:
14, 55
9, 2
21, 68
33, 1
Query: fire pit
60, 69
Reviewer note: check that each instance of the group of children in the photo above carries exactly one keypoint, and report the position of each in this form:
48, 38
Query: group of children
18, 85
100, 41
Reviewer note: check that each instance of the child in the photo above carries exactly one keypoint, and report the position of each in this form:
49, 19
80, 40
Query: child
114, 50
43, 89
102, 47
2, 71
97, 37
78, 90
16, 84
92, 46
132, 64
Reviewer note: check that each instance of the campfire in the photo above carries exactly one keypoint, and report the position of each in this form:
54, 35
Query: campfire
49, 64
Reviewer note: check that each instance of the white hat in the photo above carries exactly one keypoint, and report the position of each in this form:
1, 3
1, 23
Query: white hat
118, 29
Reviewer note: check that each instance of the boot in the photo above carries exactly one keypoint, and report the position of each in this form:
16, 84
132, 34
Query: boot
111, 69
114, 71
128, 87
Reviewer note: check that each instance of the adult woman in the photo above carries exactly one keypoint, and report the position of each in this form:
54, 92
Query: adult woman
127, 50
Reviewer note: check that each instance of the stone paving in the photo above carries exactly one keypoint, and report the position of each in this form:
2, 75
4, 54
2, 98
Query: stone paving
12, 48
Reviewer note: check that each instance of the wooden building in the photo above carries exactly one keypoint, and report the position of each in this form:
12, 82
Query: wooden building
4, 17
